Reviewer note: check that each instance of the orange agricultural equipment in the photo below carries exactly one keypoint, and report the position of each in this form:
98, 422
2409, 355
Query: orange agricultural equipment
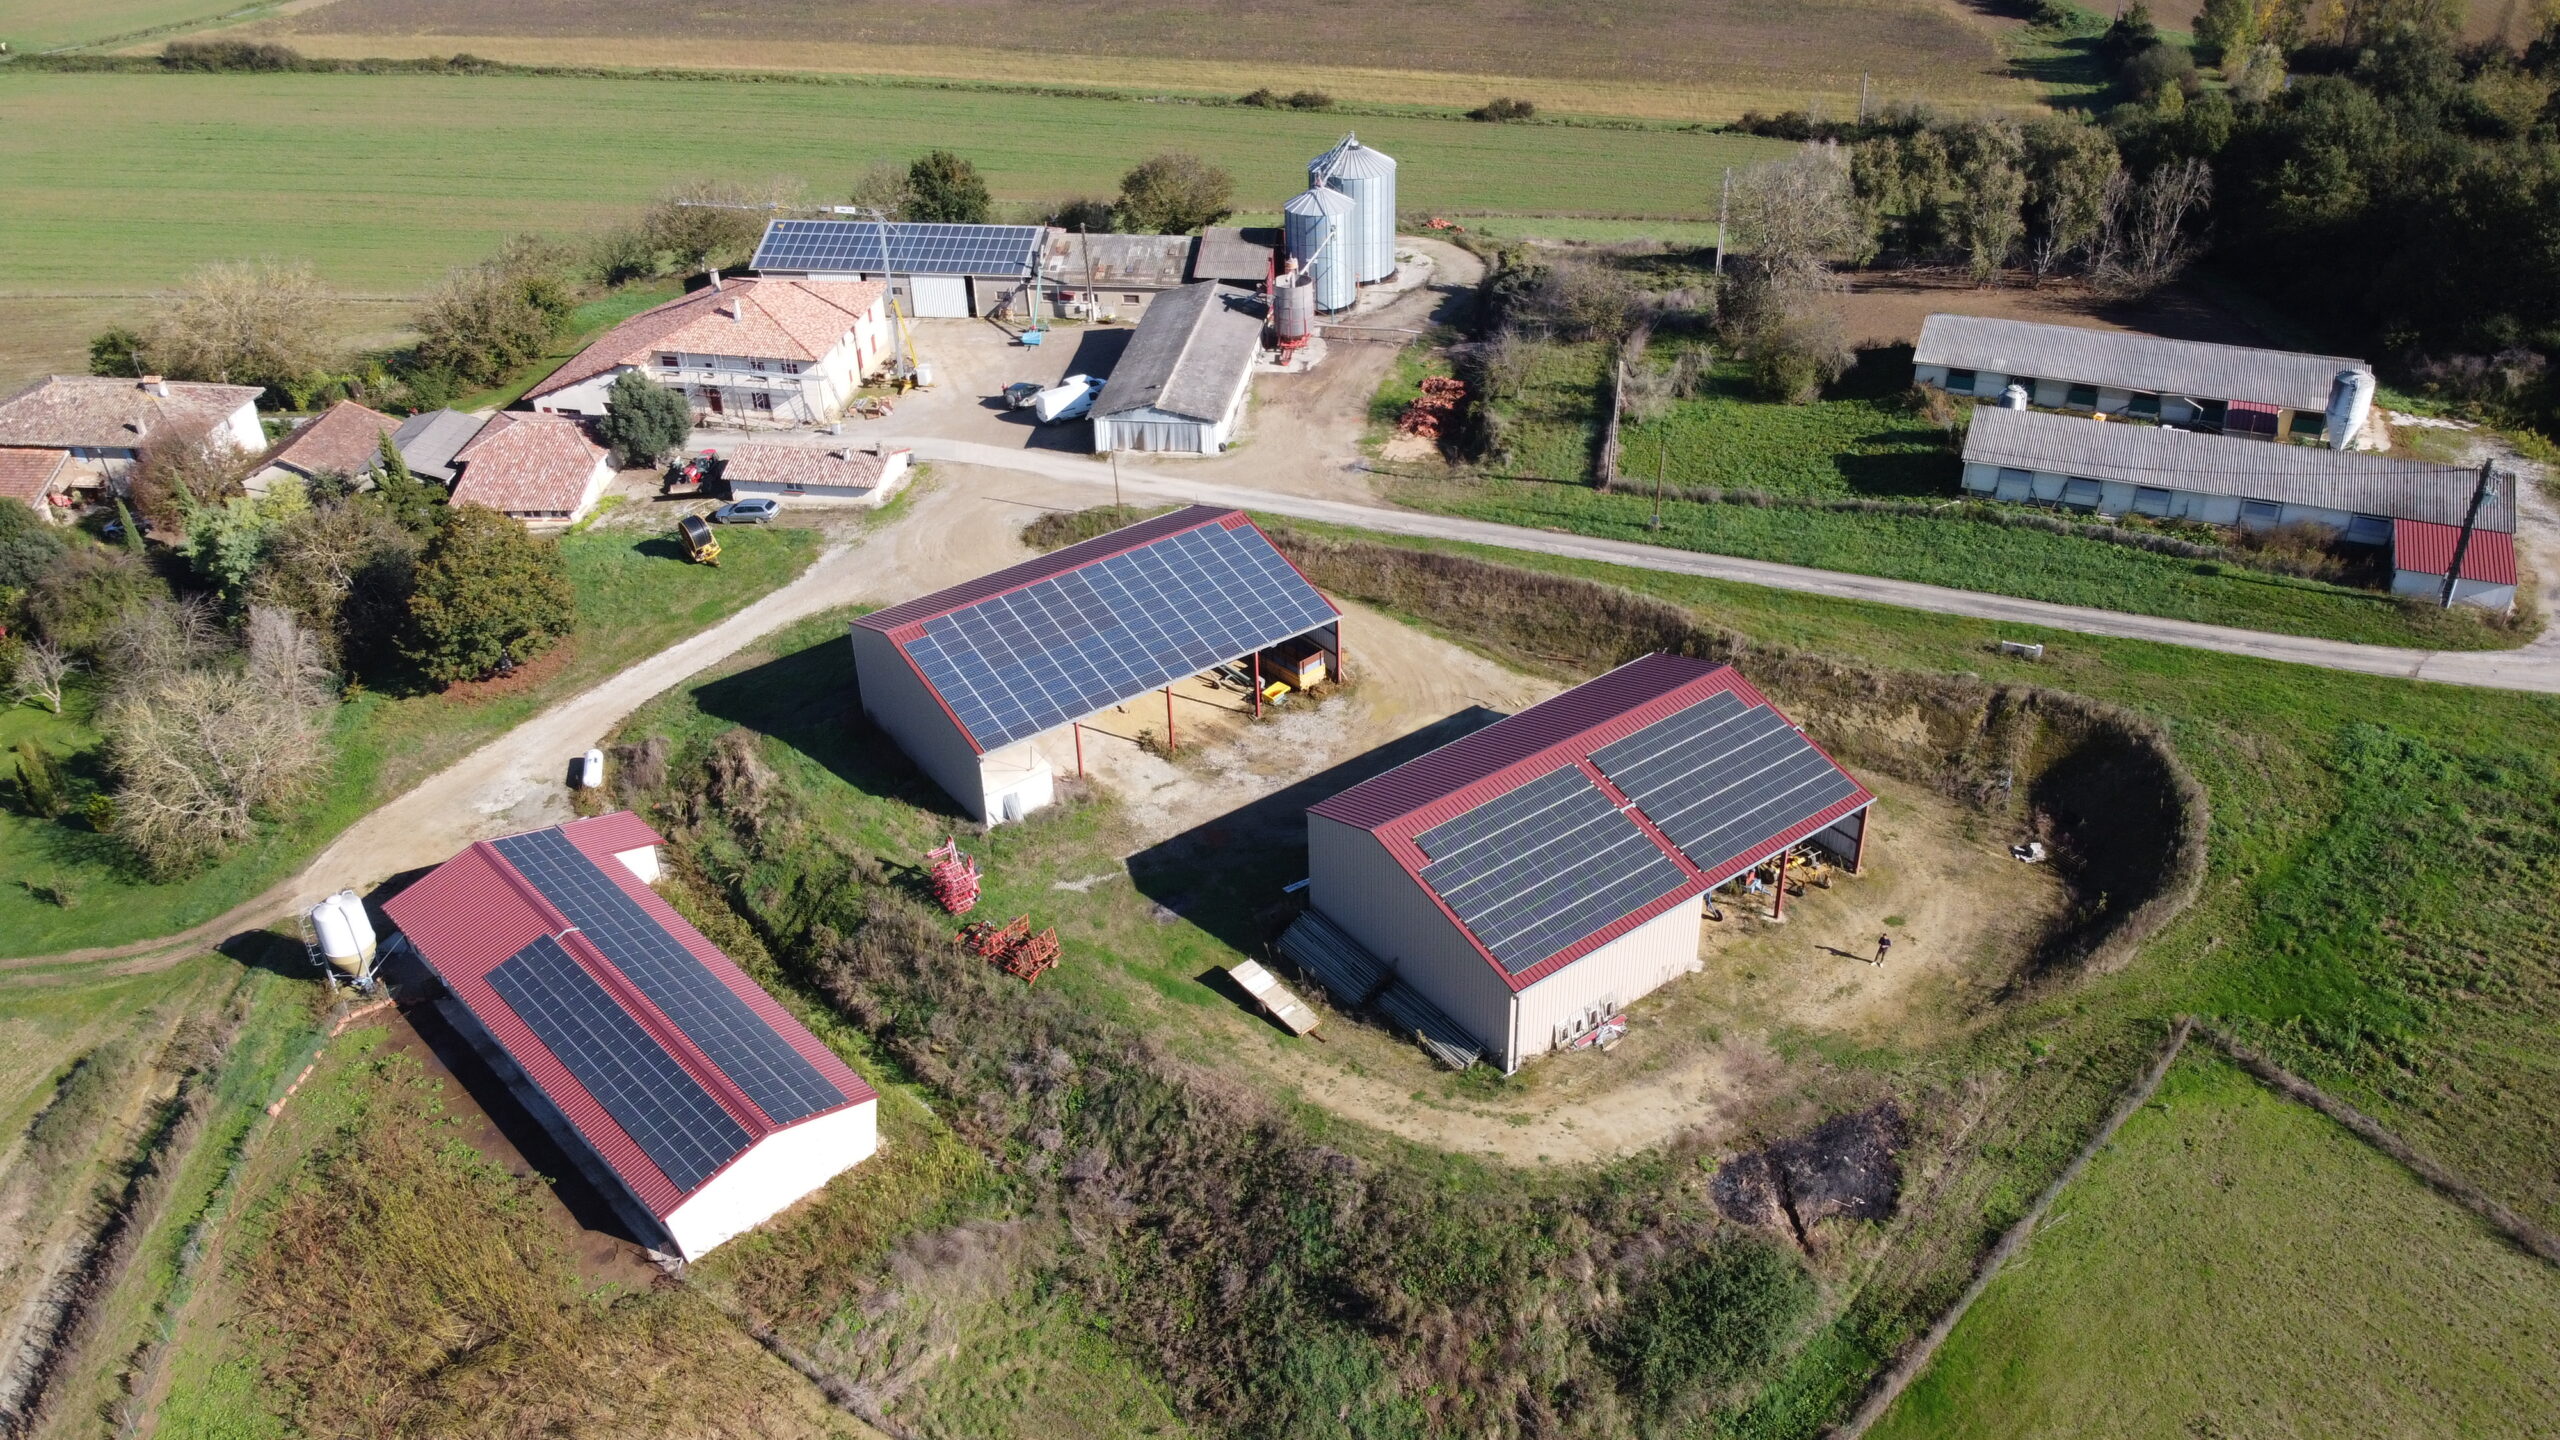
1013, 947
1431, 415
954, 877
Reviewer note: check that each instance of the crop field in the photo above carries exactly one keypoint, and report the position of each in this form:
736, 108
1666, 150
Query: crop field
2234, 1264
46, 24
1663, 54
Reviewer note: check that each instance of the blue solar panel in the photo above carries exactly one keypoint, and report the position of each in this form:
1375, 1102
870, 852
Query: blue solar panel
682, 1129
1532, 871
865, 247
1023, 662
1722, 777
780, 1080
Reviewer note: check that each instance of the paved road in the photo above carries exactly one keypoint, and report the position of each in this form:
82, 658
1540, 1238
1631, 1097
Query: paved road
2533, 667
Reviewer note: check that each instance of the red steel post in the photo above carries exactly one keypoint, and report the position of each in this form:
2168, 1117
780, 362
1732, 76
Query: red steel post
1171, 744
1257, 684
1079, 729
1778, 910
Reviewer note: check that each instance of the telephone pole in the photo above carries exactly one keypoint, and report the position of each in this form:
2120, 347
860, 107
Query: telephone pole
1724, 205
2485, 491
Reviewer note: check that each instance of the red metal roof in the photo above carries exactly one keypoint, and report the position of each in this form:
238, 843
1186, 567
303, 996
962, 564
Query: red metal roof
474, 912
1050, 566
1549, 736
2427, 548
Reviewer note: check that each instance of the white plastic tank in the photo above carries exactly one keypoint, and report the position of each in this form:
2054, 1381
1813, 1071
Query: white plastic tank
1369, 178
2350, 405
1293, 304
1315, 225
339, 944
591, 770
2014, 398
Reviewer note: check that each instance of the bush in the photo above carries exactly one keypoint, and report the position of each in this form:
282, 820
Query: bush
42, 790
643, 419
79, 599
221, 55
944, 188
28, 546
490, 596
117, 351
1504, 109
1309, 100
1264, 98
1709, 1320
488, 319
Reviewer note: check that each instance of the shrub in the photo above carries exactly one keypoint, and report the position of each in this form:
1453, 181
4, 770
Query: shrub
79, 599
1262, 98
490, 596
42, 790
117, 351
28, 546
1309, 100
714, 222
944, 188
1708, 1320
643, 419
1796, 353
1504, 109
485, 320
220, 55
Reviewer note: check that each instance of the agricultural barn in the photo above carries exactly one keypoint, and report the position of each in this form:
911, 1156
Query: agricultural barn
540, 469
932, 271
343, 440
2119, 469
782, 352
1112, 277
968, 679
1237, 254
1532, 879
855, 475
696, 1105
1180, 386
99, 423
2267, 394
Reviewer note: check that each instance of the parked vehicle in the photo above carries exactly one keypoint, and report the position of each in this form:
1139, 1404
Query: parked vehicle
1020, 394
1069, 399
748, 512
688, 475
700, 545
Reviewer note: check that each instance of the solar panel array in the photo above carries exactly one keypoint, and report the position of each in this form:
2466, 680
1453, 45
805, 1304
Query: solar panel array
1023, 662
1532, 871
1722, 776
867, 247
780, 1080
674, 1120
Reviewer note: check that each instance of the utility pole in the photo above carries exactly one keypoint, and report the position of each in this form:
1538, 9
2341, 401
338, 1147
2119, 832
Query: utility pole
1661, 450
1862, 99
1115, 484
1724, 204
2485, 491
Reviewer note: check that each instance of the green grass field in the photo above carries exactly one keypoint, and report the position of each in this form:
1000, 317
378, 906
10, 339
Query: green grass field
2235, 1265
635, 598
48, 24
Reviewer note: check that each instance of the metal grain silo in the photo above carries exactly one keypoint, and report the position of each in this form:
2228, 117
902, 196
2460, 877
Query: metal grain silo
1316, 225
1293, 305
1369, 178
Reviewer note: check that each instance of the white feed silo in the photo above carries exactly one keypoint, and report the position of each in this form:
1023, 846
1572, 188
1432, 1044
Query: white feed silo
1369, 178
2350, 405
1316, 224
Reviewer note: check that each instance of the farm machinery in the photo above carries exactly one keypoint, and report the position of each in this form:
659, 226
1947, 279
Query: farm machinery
1012, 947
954, 878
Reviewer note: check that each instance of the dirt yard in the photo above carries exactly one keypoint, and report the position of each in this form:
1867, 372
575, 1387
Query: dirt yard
1886, 308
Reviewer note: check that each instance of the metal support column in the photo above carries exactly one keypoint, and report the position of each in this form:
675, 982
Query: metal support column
1257, 684
1778, 907
1858, 856
1078, 727
1170, 743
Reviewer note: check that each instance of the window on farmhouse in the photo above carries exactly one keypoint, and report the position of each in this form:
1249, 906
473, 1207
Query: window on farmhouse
761, 401
1132, 299
2082, 397
755, 364
670, 361
790, 367
1960, 382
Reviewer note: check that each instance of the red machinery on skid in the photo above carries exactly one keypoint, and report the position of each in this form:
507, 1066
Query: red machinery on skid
1013, 947
954, 878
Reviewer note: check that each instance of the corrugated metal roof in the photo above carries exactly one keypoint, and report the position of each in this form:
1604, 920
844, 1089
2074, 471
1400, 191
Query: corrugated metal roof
1192, 349
427, 443
2428, 549
473, 913
2173, 459
1149, 262
1560, 732
2132, 362
1239, 253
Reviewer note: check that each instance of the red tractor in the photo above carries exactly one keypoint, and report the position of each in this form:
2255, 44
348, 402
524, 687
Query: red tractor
688, 475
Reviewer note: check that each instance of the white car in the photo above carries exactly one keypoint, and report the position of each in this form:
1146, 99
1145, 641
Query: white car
1069, 399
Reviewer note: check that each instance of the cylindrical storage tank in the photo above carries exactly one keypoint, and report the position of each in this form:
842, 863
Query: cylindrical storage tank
1369, 178
337, 937
2350, 405
352, 906
2014, 398
1315, 225
1293, 306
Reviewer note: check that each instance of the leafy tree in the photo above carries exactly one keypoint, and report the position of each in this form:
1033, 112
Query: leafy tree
1174, 194
227, 543
410, 500
117, 351
715, 222
1794, 217
2226, 31
485, 320
1985, 221
643, 419
80, 598
344, 571
2068, 165
884, 188
2129, 35
944, 188
28, 546
489, 597
1089, 213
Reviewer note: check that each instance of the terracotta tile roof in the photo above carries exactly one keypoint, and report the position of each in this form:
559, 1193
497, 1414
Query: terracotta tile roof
104, 412
845, 466
26, 475
520, 463
346, 439
758, 318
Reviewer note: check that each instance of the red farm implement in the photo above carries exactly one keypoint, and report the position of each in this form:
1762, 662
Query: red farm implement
1012, 947
954, 878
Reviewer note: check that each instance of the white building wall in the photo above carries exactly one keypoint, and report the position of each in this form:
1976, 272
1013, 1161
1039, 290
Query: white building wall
1360, 887
772, 1175
894, 474
898, 701
2500, 598
243, 430
1610, 978
2123, 497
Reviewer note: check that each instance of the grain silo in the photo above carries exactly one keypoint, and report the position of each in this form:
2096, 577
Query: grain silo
1369, 178
1316, 225
1293, 305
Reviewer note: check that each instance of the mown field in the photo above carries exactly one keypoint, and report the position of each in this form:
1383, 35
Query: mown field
46, 24
2233, 1264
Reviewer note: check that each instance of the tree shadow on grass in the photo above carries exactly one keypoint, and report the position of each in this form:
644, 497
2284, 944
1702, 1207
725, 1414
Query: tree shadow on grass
1901, 475
810, 701
1227, 875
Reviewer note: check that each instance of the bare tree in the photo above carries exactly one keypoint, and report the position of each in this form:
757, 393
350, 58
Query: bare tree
286, 658
1795, 216
2148, 236
180, 472
149, 642
717, 222
884, 188
253, 323
38, 673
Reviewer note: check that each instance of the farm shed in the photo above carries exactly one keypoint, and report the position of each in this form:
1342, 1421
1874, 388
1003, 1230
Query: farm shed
1180, 386
345, 439
754, 351
1237, 254
540, 469
1532, 879
966, 679
101, 423
2268, 394
692, 1101
1111, 277
932, 271
2112, 468
2422, 552
853, 474
428, 442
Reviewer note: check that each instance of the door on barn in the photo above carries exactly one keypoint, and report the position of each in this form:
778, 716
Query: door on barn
942, 297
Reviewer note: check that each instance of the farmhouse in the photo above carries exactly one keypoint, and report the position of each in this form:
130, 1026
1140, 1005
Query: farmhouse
1181, 384
34, 478
541, 469
345, 440
967, 679
101, 423
2268, 394
932, 271
1520, 886
1112, 277
855, 475
2121, 469
785, 352
695, 1105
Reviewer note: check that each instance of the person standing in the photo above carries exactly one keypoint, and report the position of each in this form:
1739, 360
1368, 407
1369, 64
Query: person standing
1884, 944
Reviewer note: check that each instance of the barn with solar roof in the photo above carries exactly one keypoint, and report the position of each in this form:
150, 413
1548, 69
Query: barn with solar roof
692, 1101
969, 680
1511, 890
